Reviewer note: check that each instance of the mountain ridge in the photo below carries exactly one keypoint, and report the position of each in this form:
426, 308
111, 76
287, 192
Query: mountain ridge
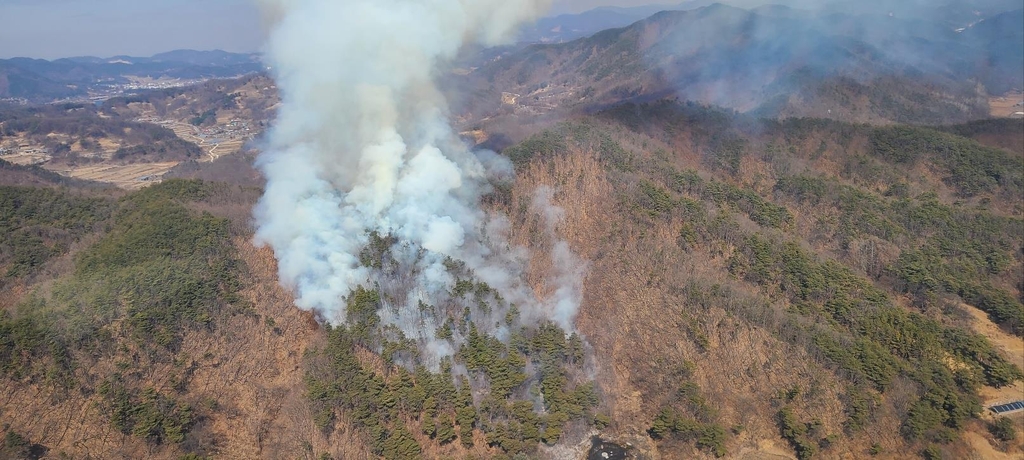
40, 80
799, 63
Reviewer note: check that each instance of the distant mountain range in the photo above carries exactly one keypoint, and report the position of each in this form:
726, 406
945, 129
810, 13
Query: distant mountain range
567, 27
39, 80
778, 60
950, 14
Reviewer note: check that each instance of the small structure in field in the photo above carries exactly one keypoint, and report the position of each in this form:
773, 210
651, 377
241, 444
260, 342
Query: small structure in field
1007, 408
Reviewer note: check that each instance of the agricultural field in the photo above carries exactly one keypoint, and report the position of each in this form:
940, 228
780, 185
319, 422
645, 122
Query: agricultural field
129, 176
133, 141
1007, 105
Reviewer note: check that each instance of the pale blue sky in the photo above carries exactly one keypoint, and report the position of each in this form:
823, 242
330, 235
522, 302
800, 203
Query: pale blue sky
62, 28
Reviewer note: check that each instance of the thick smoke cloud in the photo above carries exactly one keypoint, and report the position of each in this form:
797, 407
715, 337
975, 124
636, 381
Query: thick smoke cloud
362, 144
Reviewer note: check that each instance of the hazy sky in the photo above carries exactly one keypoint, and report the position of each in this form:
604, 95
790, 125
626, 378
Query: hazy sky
562, 6
61, 28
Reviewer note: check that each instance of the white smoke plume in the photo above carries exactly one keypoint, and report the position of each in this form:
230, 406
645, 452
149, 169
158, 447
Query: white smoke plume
568, 270
362, 143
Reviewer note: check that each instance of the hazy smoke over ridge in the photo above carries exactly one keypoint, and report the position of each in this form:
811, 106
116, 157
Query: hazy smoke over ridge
361, 144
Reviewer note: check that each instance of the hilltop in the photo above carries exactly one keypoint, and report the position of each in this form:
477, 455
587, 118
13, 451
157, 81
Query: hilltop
568, 27
773, 61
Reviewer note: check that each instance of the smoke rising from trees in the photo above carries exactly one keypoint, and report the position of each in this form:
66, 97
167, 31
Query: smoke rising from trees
362, 156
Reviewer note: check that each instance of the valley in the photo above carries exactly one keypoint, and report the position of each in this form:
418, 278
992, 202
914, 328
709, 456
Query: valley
745, 232
91, 79
133, 141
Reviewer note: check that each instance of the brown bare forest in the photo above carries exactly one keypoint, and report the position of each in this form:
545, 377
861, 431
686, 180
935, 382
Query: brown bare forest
735, 304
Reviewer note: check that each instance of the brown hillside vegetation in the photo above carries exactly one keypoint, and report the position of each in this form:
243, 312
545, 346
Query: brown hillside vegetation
773, 233
643, 330
754, 289
665, 304
241, 375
